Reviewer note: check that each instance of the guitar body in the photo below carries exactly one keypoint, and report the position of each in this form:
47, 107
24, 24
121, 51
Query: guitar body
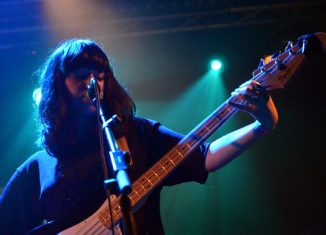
94, 224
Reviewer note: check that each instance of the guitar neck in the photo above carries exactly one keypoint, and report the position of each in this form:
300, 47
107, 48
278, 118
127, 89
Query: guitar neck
272, 76
143, 186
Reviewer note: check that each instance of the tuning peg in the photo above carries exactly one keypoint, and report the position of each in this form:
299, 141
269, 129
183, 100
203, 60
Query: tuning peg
304, 46
261, 63
289, 45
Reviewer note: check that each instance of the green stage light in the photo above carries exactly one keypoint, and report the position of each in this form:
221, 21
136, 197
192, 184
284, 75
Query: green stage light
216, 65
37, 95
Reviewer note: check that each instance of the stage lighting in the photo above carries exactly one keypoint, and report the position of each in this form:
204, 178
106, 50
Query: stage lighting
216, 65
37, 95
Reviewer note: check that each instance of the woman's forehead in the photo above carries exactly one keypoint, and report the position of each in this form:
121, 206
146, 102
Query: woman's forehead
83, 73
91, 63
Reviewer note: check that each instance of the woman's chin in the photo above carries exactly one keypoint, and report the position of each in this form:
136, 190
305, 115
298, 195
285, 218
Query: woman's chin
90, 110
87, 110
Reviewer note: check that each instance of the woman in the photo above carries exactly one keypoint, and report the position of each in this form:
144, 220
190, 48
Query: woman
65, 178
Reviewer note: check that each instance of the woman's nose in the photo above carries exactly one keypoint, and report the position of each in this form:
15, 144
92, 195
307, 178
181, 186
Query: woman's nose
91, 75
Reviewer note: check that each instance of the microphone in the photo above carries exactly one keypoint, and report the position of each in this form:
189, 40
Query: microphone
92, 89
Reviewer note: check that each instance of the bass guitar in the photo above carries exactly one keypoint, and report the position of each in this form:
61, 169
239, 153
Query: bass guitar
272, 75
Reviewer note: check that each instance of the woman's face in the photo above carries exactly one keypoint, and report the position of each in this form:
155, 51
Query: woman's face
77, 83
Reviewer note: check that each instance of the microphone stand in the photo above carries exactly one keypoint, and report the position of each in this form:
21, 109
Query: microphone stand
120, 183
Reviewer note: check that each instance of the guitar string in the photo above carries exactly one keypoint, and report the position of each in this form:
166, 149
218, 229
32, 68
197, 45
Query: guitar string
273, 68
97, 224
187, 140
81, 231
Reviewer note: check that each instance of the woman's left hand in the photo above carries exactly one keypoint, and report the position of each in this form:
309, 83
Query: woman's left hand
254, 99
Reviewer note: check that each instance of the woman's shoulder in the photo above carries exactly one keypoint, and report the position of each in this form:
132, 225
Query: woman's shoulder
32, 163
144, 121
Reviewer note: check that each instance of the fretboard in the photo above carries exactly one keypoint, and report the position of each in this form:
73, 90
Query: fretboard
171, 160
159, 171
271, 76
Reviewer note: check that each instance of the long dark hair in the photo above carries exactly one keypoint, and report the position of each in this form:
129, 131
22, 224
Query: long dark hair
56, 129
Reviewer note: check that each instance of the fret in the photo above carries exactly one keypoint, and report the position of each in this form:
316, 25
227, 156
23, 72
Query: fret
105, 213
148, 180
215, 119
176, 157
223, 118
157, 169
114, 211
104, 221
104, 217
188, 145
150, 177
101, 218
163, 167
160, 170
135, 193
221, 115
172, 161
228, 109
187, 149
167, 164
145, 183
159, 178
153, 178
197, 134
142, 186
140, 190
132, 200
156, 179
136, 186
183, 148
147, 186
117, 216
178, 152
195, 137
134, 196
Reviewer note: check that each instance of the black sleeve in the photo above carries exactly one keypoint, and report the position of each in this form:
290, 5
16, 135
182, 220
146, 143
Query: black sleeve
192, 169
18, 206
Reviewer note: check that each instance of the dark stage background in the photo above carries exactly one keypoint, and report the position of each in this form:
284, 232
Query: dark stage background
160, 51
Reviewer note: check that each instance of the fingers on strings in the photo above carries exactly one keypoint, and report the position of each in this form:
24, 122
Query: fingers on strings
249, 95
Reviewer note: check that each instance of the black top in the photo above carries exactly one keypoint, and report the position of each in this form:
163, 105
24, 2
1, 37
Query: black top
48, 188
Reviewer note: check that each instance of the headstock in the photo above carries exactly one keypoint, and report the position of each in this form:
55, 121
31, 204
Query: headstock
275, 71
